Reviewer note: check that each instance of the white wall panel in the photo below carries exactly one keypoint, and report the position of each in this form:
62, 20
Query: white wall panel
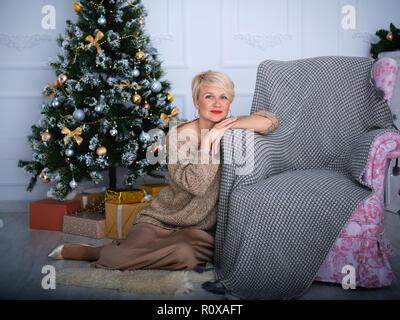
256, 30
167, 25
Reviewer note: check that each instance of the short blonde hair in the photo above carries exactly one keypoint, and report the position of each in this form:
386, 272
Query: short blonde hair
215, 79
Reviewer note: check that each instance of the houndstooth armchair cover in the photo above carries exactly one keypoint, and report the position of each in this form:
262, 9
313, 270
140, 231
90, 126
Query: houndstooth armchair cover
285, 202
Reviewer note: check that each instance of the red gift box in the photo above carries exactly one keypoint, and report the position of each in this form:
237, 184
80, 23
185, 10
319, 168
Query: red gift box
48, 214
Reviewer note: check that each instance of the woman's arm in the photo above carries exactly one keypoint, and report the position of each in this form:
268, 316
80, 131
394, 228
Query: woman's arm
261, 121
193, 172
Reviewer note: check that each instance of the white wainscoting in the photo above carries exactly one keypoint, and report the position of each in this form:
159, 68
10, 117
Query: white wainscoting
191, 36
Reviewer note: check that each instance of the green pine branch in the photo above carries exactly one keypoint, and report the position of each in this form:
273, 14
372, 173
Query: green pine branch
385, 44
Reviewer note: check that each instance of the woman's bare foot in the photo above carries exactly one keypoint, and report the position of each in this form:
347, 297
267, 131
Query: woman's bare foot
73, 251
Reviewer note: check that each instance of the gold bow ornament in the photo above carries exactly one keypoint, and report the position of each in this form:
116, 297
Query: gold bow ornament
167, 118
95, 41
72, 134
127, 84
55, 84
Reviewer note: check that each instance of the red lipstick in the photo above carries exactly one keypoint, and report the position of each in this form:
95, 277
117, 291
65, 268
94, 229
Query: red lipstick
216, 111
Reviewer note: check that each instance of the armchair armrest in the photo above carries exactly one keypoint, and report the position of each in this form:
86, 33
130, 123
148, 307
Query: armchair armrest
384, 76
243, 157
369, 158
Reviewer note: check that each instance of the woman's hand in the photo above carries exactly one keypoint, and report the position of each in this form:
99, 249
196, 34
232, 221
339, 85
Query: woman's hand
212, 139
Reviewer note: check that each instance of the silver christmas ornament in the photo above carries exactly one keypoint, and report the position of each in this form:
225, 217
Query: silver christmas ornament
69, 152
98, 108
113, 132
78, 115
136, 73
102, 21
144, 137
73, 184
55, 103
156, 86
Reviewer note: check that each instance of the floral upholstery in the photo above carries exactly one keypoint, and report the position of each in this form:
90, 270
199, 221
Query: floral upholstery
362, 242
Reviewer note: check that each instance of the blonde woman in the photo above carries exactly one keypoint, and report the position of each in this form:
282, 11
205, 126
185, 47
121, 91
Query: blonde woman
176, 232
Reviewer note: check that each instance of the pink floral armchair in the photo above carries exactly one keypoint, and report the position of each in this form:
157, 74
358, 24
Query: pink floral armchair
363, 243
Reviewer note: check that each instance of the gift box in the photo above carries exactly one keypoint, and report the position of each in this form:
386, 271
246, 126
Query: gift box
120, 218
89, 199
124, 196
48, 214
88, 224
153, 188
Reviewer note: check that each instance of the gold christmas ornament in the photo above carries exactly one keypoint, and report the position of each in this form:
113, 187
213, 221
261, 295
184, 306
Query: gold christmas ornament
170, 97
62, 78
43, 177
140, 55
77, 7
101, 151
46, 136
136, 99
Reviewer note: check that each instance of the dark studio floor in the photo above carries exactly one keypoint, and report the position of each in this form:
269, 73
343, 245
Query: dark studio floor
24, 252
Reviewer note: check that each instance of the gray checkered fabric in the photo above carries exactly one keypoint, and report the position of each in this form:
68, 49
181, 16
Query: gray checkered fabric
279, 217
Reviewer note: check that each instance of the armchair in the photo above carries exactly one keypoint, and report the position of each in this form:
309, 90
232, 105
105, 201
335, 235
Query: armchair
307, 199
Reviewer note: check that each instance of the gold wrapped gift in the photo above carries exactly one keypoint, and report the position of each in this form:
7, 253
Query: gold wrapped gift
124, 196
153, 188
89, 199
120, 218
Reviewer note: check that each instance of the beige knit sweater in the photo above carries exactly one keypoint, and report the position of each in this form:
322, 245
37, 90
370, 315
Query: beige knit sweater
191, 199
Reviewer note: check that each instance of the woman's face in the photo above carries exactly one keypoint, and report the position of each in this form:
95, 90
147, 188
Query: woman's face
213, 103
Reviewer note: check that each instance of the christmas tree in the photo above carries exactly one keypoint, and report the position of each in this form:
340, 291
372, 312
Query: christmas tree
107, 96
389, 41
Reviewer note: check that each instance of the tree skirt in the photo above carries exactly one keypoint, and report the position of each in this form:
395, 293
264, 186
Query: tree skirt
147, 282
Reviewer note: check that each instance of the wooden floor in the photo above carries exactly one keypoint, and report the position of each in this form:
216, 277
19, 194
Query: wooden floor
23, 254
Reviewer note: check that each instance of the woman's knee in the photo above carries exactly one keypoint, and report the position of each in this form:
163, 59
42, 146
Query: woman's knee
185, 255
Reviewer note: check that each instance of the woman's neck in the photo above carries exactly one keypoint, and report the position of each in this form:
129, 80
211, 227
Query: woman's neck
203, 124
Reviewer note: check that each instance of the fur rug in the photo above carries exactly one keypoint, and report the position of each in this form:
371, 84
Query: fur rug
146, 282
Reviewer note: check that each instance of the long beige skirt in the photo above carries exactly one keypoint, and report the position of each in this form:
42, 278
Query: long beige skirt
151, 247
